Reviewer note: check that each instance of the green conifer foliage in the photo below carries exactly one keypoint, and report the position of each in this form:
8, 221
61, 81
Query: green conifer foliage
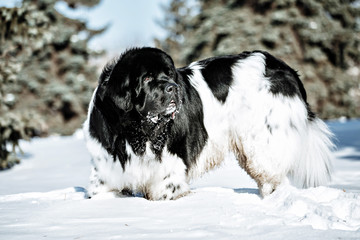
46, 80
319, 38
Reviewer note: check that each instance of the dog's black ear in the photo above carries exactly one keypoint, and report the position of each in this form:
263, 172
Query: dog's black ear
120, 89
116, 98
104, 80
101, 90
123, 100
114, 88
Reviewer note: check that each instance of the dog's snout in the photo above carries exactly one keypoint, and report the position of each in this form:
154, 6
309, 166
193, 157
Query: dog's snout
171, 87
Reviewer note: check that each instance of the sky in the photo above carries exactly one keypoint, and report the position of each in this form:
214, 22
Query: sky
132, 23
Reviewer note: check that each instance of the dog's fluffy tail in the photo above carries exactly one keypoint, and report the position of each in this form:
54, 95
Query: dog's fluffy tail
313, 166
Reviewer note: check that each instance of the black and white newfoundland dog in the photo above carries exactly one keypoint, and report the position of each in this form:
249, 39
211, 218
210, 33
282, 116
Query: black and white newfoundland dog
152, 128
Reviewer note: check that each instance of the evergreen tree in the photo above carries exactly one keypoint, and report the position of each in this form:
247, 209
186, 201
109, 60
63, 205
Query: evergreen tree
45, 78
319, 38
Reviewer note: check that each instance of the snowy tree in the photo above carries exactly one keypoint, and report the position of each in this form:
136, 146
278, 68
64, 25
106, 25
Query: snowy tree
45, 78
320, 39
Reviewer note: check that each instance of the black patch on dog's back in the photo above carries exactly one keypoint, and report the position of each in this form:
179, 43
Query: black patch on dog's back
284, 80
217, 73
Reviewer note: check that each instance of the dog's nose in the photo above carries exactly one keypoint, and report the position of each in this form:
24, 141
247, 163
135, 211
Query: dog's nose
170, 87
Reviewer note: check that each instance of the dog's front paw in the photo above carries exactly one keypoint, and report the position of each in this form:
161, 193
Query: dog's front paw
166, 190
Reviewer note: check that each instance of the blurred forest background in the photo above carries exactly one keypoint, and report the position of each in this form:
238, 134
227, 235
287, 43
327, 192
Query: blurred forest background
46, 79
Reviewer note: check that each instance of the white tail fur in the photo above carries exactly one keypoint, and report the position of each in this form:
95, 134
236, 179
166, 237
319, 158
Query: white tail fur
314, 167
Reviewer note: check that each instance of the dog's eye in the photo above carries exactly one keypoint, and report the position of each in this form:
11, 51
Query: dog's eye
147, 78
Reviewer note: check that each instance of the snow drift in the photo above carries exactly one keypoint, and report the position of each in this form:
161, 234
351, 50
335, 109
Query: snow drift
45, 197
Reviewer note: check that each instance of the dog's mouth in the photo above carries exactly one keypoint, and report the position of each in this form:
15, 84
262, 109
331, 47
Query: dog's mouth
169, 113
171, 109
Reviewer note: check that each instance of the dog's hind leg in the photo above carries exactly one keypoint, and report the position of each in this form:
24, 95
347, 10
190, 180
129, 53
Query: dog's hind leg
271, 142
266, 179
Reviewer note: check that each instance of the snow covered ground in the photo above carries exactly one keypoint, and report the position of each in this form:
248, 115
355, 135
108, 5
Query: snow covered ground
44, 198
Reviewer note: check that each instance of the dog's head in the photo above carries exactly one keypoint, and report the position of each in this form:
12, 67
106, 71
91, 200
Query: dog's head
142, 80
